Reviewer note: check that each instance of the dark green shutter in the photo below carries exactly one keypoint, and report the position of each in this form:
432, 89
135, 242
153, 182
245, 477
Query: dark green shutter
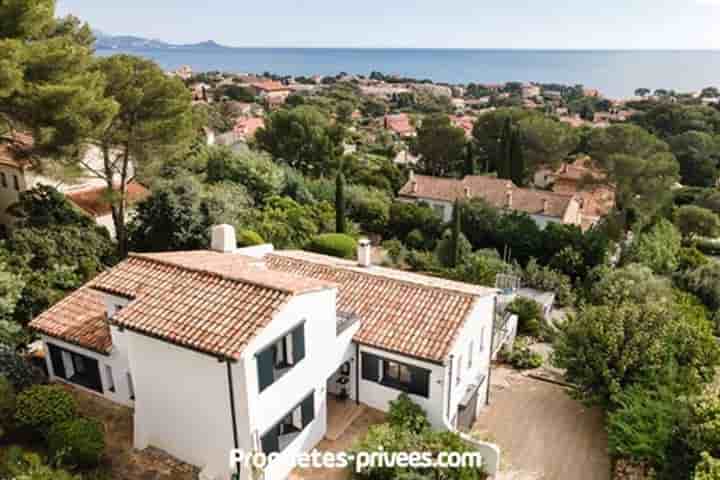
419, 381
270, 442
307, 408
370, 367
57, 361
265, 364
298, 343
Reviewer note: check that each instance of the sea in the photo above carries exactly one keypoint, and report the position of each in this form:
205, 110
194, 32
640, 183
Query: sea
616, 73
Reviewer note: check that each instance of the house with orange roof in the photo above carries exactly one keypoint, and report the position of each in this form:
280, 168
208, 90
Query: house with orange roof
263, 350
18, 173
543, 206
246, 127
399, 124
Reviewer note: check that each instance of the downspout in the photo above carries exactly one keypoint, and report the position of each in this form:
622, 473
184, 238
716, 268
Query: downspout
450, 382
490, 353
357, 374
233, 414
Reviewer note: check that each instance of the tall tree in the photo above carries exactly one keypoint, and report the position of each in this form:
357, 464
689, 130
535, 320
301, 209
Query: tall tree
441, 146
517, 157
47, 88
154, 120
340, 226
470, 160
504, 160
698, 154
456, 232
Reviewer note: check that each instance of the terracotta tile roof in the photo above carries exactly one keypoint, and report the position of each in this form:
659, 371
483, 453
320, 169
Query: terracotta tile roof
248, 126
92, 200
492, 190
207, 301
399, 123
80, 319
14, 154
405, 313
269, 86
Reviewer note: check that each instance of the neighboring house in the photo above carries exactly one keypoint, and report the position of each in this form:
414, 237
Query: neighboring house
399, 124
585, 181
18, 174
404, 157
529, 90
244, 348
246, 127
441, 193
270, 89
465, 122
93, 201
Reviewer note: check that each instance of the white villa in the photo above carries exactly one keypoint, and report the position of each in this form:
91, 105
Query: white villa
253, 348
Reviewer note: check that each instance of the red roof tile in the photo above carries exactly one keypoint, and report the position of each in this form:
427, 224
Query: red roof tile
14, 153
92, 200
80, 319
405, 313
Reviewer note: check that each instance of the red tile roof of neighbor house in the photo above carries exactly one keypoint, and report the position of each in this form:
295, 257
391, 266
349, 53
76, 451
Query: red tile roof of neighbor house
248, 126
80, 319
497, 192
407, 313
269, 86
93, 201
399, 123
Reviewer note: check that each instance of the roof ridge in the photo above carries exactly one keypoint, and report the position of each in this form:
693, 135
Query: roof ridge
222, 276
357, 270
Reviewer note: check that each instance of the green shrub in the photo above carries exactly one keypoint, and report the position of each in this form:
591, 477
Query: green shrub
522, 357
21, 465
708, 468
78, 442
529, 315
249, 238
444, 249
707, 246
406, 414
18, 370
690, 258
40, 407
415, 239
545, 278
395, 251
7, 404
334, 244
421, 261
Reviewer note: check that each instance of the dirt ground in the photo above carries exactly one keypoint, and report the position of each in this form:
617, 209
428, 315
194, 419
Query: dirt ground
542, 432
120, 460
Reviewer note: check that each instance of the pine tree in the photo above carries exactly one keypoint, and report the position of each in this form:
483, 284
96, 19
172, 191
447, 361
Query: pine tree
340, 203
470, 160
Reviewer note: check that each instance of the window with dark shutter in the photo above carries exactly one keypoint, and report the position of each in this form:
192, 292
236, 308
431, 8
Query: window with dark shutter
307, 408
370, 367
269, 441
420, 382
298, 343
265, 366
57, 361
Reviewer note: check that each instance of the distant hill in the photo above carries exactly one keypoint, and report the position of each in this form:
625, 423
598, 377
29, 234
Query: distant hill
129, 42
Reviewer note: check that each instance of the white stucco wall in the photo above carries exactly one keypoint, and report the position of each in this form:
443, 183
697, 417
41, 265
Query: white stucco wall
324, 352
478, 331
182, 403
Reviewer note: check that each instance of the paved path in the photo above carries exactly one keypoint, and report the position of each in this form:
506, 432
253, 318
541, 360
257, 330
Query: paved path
542, 432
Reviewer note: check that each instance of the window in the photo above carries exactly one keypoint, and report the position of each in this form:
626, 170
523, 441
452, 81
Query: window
278, 358
109, 378
16, 183
75, 368
396, 375
282, 434
3, 179
471, 351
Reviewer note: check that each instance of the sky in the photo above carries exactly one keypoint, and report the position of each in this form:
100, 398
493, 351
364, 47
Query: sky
532, 24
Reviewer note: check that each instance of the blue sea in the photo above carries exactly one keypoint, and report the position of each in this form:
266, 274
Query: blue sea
615, 73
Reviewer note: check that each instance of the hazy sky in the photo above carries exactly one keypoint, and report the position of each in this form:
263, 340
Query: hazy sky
581, 24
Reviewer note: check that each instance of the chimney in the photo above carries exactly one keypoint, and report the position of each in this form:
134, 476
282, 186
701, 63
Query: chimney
467, 192
508, 199
364, 252
545, 205
223, 239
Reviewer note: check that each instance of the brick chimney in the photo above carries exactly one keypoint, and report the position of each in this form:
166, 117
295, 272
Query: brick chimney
223, 239
508, 198
467, 192
545, 205
364, 253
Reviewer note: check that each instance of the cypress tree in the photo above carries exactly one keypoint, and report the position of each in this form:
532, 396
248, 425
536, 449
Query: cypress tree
340, 203
517, 158
455, 235
505, 150
470, 161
